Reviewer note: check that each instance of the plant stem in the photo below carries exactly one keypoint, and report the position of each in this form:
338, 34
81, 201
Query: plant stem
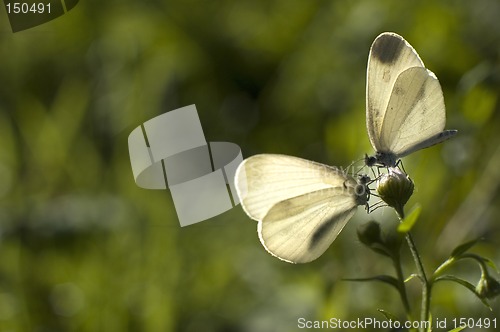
426, 286
426, 291
401, 284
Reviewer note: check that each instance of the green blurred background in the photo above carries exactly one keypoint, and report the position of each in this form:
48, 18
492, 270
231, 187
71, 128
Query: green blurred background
82, 248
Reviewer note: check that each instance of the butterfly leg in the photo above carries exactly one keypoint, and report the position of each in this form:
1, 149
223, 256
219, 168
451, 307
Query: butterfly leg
399, 164
376, 206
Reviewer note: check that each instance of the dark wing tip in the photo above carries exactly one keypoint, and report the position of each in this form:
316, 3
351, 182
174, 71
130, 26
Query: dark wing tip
387, 47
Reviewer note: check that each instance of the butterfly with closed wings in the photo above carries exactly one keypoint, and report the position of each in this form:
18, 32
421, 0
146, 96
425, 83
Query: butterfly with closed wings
405, 109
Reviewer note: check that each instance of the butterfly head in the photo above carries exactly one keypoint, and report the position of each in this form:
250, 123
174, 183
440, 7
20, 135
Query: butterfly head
383, 159
362, 191
370, 161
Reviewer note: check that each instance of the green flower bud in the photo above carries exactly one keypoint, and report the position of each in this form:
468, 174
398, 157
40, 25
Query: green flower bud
395, 188
392, 238
488, 287
371, 235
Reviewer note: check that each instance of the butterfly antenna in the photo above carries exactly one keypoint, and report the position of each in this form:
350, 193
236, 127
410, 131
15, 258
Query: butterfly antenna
351, 166
371, 169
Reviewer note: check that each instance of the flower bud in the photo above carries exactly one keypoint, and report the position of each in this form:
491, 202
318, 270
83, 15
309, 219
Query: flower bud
488, 287
392, 238
371, 235
395, 188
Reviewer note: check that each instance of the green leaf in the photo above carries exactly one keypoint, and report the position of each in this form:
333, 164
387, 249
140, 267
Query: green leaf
460, 328
407, 223
480, 259
382, 278
412, 276
466, 284
491, 264
388, 315
463, 247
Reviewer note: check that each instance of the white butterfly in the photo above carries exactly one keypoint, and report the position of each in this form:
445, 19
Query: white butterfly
301, 205
405, 109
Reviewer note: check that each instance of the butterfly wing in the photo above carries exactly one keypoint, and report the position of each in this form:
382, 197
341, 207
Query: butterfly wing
415, 115
390, 55
301, 205
267, 179
300, 229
